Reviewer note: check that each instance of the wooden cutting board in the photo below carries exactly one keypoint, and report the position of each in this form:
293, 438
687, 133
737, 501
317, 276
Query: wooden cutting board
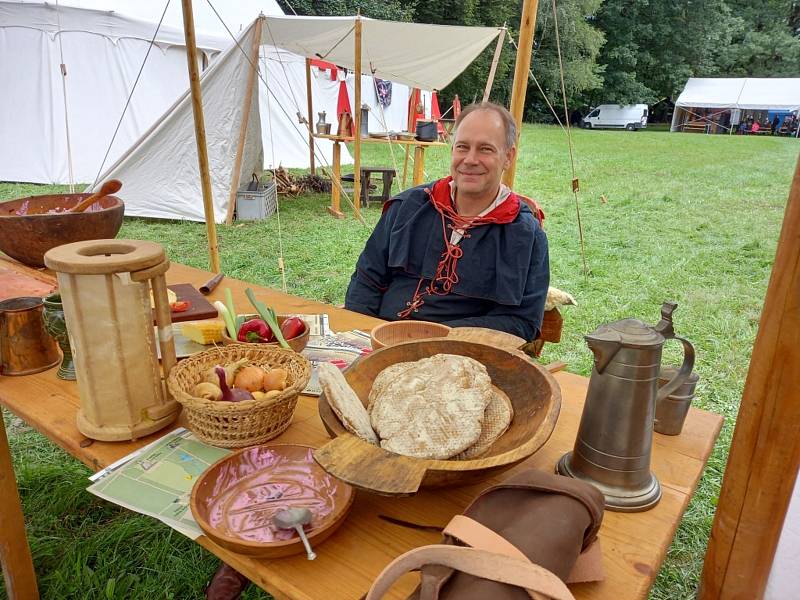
200, 307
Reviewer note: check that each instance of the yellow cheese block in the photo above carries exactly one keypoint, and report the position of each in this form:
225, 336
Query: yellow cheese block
203, 332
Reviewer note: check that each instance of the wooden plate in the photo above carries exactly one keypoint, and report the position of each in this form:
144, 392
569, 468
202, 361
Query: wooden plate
235, 499
534, 394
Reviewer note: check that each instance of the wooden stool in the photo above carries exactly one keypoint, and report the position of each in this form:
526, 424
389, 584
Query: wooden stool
387, 175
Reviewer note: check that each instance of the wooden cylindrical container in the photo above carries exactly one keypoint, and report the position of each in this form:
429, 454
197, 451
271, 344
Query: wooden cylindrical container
106, 289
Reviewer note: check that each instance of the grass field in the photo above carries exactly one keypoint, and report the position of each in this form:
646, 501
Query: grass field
690, 218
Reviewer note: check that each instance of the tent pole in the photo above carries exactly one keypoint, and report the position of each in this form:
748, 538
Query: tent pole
310, 118
357, 133
495, 59
764, 455
248, 100
527, 25
200, 133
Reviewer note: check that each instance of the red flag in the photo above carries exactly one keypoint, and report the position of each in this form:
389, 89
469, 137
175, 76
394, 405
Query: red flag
436, 114
456, 106
343, 103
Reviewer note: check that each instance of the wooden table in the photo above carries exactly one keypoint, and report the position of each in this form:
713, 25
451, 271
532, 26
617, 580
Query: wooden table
634, 545
336, 175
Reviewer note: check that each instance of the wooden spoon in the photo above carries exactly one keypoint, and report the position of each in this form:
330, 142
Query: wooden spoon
112, 186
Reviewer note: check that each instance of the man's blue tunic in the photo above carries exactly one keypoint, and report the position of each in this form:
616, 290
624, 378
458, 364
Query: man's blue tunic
503, 274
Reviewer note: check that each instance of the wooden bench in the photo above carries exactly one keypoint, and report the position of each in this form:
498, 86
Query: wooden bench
697, 126
387, 176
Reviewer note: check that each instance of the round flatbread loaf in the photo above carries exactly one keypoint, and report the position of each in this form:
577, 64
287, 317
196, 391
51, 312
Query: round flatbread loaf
433, 410
385, 378
496, 420
345, 403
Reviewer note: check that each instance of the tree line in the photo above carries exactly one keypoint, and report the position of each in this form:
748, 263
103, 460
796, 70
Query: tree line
612, 51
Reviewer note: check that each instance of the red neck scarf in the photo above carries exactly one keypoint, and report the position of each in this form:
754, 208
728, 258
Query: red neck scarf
446, 276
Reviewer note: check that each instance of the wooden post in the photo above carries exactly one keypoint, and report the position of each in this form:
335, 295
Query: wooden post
336, 181
310, 118
493, 69
357, 120
246, 105
527, 26
412, 110
200, 134
765, 452
419, 165
15, 555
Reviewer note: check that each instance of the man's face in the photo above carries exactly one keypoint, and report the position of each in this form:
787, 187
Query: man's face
480, 154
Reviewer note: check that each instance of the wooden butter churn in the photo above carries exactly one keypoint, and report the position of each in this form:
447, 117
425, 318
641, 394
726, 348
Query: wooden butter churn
106, 290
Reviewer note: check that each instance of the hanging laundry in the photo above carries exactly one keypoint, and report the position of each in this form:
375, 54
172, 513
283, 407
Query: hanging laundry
384, 91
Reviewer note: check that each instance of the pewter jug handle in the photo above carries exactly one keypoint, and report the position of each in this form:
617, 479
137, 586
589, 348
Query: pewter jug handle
685, 370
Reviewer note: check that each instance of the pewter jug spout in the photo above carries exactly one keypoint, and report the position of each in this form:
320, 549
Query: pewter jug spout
604, 344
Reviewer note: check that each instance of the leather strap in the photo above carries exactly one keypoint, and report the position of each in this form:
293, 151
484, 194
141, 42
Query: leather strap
588, 566
477, 535
536, 580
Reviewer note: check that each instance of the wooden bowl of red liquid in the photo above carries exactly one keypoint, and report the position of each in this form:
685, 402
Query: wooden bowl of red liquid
235, 499
31, 226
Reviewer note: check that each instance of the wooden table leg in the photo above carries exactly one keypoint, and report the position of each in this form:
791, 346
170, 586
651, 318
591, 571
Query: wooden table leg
405, 166
419, 165
336, 182
15, 555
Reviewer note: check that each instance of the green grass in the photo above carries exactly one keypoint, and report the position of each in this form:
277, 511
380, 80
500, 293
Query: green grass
690, 218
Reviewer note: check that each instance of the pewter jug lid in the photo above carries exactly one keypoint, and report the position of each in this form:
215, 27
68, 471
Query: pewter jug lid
632, 333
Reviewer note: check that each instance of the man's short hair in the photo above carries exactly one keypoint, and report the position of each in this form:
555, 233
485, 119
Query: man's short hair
509, 124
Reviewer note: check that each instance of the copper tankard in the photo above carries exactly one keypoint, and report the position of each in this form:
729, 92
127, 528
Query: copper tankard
25, 346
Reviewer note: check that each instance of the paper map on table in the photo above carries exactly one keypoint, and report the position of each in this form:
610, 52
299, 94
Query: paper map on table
341, 349
157, 479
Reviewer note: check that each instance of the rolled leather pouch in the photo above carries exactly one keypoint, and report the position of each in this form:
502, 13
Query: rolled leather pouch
551, 520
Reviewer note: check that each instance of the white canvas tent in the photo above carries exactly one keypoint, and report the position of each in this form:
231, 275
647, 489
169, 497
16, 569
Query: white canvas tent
747, 93
408, 53
103, 52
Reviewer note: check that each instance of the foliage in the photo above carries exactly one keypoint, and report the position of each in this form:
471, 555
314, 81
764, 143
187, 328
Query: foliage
766, 39
654, 47
389, 10
664, 232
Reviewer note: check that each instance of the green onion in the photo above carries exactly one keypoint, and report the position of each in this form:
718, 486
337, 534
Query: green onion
269, 317
223, 311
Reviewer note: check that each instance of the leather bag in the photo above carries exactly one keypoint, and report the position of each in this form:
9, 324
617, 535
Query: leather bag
523, 538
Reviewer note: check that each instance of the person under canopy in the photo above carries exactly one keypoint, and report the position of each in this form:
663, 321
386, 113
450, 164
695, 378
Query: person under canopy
464, 250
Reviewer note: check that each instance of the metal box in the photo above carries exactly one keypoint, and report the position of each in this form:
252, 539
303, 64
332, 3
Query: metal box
257, 205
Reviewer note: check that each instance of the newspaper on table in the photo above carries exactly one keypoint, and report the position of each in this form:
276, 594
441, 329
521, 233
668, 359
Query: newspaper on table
341, 349
157, 479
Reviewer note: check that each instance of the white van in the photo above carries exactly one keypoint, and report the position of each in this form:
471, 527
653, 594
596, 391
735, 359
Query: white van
616, 116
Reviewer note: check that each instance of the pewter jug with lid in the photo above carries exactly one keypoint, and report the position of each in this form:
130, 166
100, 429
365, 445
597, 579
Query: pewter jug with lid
613, 446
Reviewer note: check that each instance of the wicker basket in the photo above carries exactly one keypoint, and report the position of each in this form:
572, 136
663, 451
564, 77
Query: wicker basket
246, 423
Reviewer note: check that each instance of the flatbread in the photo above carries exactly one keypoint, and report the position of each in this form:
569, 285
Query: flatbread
345, 403
433, 410
385, 378
496, 420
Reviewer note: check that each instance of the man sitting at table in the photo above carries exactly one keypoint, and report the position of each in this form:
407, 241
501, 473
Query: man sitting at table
464, 250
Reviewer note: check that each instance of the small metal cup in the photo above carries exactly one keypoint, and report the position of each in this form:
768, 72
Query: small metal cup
671, 411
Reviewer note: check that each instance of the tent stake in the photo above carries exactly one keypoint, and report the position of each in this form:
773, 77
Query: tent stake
248, 100
200, 134
527, 26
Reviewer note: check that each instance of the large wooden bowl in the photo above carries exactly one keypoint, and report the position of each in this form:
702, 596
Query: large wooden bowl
26, 237
534, 394
234, 500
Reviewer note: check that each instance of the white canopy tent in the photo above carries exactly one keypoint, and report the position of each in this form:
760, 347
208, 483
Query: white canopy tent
403, 52
749, 93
